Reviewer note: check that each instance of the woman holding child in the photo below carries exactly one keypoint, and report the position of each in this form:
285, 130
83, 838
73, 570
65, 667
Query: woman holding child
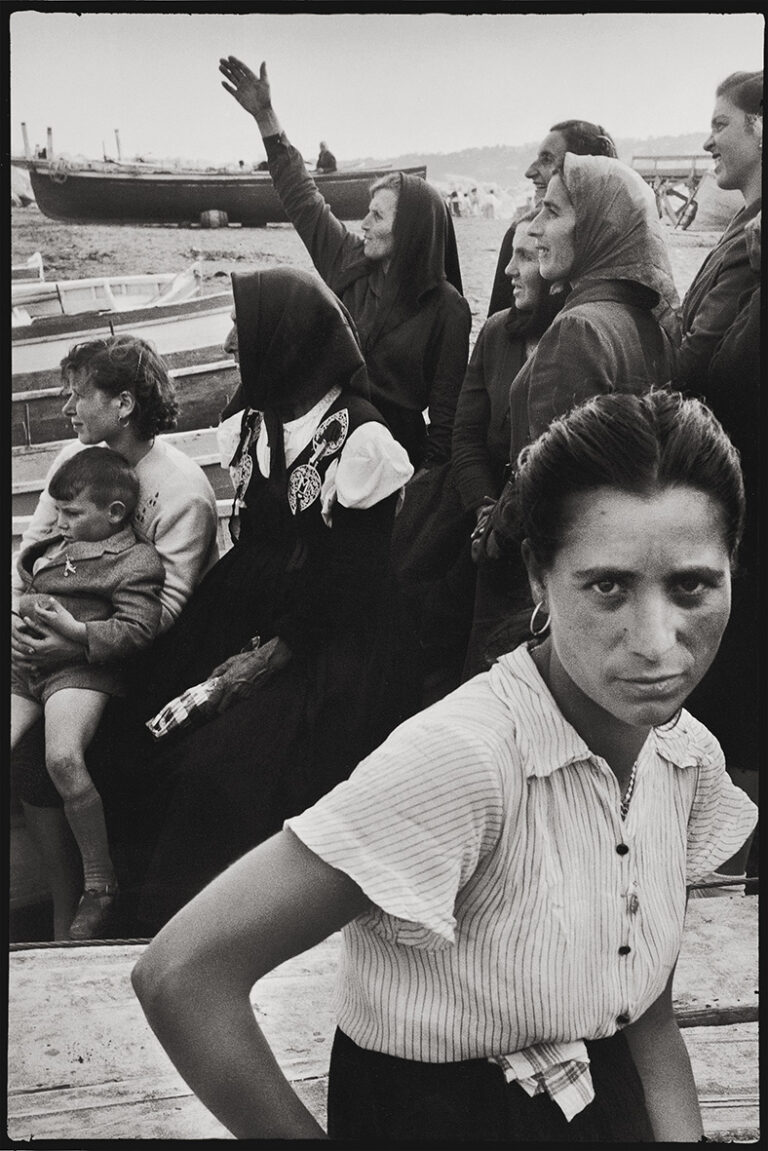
119, 395
95, 584
509, 868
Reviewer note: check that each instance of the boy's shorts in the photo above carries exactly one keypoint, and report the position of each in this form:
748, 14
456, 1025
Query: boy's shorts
38, 687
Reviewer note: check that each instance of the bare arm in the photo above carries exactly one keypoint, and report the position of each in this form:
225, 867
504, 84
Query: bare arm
194, 980
664, 1066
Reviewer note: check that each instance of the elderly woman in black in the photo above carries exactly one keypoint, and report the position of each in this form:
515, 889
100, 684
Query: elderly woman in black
400, 282
317, 477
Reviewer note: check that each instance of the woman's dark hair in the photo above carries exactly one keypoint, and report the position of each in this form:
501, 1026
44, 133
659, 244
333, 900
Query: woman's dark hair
549, 303
103, 473
586, 139
129, 364
745, 90
636, 444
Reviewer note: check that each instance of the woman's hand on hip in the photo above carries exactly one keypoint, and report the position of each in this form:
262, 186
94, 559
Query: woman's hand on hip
242, 674
252, 92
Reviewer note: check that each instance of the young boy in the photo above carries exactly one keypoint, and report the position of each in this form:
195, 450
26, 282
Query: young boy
96, 585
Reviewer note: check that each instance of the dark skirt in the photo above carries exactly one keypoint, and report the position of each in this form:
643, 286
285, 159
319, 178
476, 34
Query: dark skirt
381, 1097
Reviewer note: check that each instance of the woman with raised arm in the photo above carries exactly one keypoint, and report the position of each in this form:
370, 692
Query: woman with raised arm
712, 302
400, 282
510, 867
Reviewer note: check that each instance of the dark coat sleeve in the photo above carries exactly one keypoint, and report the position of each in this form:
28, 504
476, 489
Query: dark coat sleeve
136, 603
493, 364
330, 244
572, 363
445, 364
722, 291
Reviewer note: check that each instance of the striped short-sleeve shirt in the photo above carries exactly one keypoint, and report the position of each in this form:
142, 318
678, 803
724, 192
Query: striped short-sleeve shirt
510, 904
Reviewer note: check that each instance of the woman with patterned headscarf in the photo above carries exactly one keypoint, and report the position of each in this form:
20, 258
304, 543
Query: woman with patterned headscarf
598, 234
400, 282
292, 622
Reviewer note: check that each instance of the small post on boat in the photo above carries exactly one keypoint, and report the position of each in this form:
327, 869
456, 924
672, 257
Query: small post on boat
25, 138
117, 141
49, 143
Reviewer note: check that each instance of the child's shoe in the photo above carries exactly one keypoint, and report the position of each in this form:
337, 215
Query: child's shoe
95, 912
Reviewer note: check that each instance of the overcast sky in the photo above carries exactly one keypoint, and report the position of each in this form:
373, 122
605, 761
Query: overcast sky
376, 84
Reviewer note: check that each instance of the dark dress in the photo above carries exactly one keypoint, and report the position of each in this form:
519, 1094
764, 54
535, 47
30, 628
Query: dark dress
221, 788
730, 699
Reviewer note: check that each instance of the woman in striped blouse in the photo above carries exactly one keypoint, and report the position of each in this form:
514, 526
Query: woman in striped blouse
510, 866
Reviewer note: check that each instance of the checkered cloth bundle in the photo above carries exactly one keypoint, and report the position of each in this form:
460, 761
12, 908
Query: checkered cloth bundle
181, 710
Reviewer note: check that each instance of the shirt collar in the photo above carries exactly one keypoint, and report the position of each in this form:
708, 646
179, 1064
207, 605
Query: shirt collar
548, 741
91, 549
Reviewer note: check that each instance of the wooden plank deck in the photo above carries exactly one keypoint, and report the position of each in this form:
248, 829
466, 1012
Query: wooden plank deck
83, 1063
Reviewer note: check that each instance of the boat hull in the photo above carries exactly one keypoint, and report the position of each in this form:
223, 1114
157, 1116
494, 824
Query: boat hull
189, 324
98, 293
130, 197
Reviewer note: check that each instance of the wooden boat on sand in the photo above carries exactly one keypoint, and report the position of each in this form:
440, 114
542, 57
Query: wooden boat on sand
31, 299
114, 192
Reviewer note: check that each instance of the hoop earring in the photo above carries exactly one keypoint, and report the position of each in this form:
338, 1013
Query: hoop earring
123, 421
544, 627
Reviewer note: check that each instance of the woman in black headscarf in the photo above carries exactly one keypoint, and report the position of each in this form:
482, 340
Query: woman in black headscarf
317, 475
400, 282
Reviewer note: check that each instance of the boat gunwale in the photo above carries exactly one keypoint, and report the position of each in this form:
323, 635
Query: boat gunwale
155, 314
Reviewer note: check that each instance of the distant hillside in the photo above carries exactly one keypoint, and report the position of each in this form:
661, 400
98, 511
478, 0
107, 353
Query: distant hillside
502, 169
505, 164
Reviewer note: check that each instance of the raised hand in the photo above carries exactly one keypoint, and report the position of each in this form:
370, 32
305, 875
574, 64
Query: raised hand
252, 92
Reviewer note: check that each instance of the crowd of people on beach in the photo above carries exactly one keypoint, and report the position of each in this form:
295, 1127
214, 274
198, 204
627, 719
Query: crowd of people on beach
432, 692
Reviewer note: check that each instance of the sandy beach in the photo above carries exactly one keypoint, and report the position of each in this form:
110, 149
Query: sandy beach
74, 250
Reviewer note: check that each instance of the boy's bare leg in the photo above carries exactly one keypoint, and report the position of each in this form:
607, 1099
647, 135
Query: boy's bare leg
71, 718
24, 713
56, 846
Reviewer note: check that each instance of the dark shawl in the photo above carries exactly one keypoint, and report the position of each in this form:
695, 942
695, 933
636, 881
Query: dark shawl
425, 253
296, 341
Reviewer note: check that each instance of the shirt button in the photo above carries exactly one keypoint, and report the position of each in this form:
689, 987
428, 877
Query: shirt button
622, 1019
621, 849
624, 949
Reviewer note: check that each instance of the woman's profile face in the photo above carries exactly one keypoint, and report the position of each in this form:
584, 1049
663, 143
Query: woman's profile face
638, 596
378, 225
553, 230
523, 270
94, 413
734, 143
230, 343
551, 151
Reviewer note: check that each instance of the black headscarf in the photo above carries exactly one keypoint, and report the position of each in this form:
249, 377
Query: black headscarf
296, 341
425, 254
